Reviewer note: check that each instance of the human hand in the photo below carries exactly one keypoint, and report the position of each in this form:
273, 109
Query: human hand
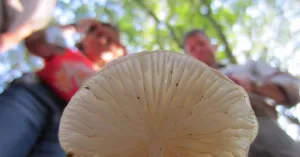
12, 38
114, 51
5, 42
271, 90
84, 24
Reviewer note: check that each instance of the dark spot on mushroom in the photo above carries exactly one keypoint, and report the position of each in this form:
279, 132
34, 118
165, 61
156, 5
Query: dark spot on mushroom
138, 97
160, 149
109, 77
190, 134
184, 128
176, 84
87, 87
202, 96
226, 112
70, 154
171, 71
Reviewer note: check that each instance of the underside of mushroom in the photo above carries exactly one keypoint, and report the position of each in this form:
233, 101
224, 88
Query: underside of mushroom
158, 104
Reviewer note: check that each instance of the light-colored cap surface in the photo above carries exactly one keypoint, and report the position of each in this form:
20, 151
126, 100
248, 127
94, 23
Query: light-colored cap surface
158, 104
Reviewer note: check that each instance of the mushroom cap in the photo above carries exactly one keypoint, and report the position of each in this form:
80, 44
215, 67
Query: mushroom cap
158, 104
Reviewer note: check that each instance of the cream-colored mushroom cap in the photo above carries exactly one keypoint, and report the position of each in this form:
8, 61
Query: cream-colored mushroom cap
158, 104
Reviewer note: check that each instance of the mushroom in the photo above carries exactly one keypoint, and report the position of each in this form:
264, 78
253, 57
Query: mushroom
158, 104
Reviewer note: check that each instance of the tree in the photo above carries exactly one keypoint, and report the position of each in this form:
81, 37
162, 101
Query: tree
243, 29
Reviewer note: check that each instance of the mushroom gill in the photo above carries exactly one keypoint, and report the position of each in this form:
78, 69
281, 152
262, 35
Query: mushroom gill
158, 104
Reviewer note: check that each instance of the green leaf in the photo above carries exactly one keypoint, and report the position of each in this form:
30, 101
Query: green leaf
221, 55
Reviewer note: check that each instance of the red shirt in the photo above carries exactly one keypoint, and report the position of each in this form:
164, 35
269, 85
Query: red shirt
65, 73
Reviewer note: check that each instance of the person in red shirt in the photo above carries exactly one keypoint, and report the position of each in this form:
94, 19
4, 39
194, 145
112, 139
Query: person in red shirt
66, 68
31, 106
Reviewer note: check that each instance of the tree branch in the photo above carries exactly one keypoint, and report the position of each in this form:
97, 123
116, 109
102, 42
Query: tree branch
219, 30
158, 39
156, 19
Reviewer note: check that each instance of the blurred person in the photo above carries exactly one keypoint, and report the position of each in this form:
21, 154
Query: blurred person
31, 106
266, 87
19, 18
66, 68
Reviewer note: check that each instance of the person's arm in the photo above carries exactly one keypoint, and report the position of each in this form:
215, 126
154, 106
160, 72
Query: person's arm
271, 90
261, 78
48, 42
9, 39
21, 18
280, 86
80, 26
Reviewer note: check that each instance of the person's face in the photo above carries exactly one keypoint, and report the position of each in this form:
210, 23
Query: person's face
102, 44
199, 46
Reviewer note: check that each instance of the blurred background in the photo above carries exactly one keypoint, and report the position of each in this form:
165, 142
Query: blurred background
243, 29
